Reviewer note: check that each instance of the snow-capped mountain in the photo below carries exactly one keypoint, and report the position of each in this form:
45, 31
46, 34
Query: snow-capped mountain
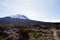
16, 18
19, 16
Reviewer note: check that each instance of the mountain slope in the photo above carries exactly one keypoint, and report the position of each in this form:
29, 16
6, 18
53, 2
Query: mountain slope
16, 18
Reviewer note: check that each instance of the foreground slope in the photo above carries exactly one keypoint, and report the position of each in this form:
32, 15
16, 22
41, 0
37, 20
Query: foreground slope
26, 29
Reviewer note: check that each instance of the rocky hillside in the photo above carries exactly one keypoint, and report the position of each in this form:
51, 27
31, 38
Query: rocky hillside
23, 31
21, 28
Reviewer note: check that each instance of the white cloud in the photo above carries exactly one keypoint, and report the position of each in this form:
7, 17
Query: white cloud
52, 20
34, 9
28, 0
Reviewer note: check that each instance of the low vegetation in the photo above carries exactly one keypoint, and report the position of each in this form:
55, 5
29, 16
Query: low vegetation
27, 32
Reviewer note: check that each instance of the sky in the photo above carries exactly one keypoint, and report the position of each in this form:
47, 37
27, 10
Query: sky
41, 10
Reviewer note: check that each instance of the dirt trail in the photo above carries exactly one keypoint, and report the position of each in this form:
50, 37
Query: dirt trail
55, 35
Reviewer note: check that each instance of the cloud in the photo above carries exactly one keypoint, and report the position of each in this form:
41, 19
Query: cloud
52, 20
34, 9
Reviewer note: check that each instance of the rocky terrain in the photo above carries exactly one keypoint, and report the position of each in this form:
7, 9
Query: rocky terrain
25, 29
15, 31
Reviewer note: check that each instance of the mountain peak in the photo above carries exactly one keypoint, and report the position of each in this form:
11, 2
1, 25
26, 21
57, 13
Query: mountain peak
19, 16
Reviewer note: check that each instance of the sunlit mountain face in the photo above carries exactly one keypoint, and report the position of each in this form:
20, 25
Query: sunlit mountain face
19, 16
